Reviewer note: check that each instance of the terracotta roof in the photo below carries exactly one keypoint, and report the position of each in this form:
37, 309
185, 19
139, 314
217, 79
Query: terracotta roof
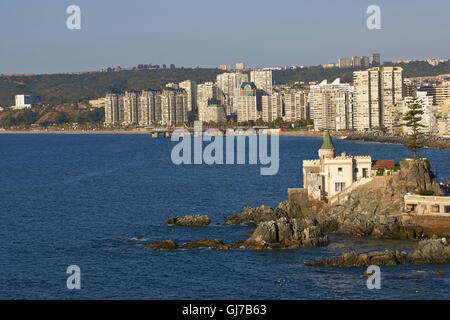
385, 164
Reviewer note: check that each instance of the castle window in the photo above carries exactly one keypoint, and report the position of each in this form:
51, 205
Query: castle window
339, 186
365, 173
340, 171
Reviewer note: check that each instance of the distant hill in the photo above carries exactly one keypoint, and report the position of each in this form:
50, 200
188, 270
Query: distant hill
56, 89
412, 69
65, 88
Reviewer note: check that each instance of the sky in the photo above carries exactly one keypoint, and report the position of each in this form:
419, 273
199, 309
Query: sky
206, 33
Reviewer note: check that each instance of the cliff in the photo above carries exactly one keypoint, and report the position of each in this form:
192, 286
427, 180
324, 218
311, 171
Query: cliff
373, 209
376, 208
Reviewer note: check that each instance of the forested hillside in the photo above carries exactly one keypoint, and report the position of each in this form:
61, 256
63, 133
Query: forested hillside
65, 88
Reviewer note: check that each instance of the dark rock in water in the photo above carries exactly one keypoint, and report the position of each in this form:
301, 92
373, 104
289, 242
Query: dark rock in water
206, 243
432, 251
254, 216
190, 221
284, 233
353, 259
251, 216
428, 251
237, 245
162, 245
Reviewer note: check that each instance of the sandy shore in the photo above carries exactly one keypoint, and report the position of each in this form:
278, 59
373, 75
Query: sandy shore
134, 131
75, 132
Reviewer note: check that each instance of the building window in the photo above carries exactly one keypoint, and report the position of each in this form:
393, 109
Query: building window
435, 208
340, 171
365, 173
339, 186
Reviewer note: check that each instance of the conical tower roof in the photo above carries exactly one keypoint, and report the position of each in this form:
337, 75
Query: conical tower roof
327, 142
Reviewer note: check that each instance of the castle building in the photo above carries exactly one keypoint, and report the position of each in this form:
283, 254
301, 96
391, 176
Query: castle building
330, 174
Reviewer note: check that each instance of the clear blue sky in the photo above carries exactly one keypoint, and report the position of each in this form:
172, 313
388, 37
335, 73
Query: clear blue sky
206, 33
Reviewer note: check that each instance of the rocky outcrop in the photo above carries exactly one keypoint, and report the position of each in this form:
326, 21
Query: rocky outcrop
414, 176
206, 243
373, 209
251, 216
254, 216
432, 251
162, 245
284, 233
428, 251
190, 221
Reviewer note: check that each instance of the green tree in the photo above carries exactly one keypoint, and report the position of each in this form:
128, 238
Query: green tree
412, 119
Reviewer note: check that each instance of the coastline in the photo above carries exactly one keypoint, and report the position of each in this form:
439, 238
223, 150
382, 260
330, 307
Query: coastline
356, 136
75, 132
351, 136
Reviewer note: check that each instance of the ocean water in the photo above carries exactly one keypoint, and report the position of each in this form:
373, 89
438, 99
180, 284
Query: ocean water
83, 199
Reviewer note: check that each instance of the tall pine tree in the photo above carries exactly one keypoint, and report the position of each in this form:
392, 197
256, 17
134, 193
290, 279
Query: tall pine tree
413, 118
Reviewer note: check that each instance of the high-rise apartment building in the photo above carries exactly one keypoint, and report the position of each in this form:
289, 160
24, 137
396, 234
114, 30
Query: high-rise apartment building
229, 84
289, 107
240, 66
409, 89
224, 67
440, 92
331, 105
130, 108
191, 89
22, 101
262, 79
167, 107
173, 107
375, 60
294, 106
365, 62
344, 63
376, 89
301, 106
211, 112
247, 105
147, 107
430, 112
356, 62
272, 107
443, 123
208, 91
112, 109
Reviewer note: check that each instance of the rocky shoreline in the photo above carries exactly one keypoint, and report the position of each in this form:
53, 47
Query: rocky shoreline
375, 209
431, 143
372, 210
435, 251
197, 220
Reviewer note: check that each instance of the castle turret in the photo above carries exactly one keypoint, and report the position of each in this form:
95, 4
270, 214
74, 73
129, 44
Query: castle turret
327, 150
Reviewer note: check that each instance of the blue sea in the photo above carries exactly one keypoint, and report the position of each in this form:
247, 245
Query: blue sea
95, 200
